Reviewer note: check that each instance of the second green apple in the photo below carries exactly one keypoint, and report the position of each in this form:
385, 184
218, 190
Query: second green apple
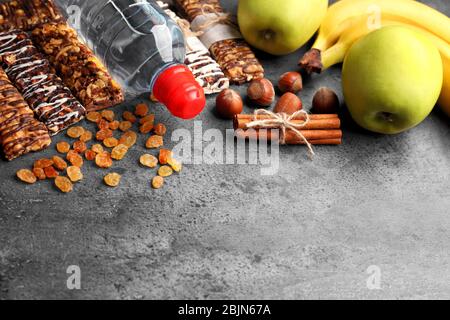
280, 27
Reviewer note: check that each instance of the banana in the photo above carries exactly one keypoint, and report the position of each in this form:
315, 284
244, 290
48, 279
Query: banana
338, 16
359, 28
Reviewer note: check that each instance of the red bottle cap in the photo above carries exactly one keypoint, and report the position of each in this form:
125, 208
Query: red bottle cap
177, 88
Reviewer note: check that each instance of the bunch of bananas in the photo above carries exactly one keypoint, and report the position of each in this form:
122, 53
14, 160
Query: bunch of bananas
349, 20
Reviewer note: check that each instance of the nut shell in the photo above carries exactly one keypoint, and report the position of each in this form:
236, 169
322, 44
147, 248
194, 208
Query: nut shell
325, 101
228, 104
261, 92
289, 103
291, 82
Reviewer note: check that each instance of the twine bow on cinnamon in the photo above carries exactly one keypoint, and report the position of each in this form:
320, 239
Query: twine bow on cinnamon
283, 122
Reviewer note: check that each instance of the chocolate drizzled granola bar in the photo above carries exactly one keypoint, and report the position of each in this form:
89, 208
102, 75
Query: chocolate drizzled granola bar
77, 65
20, 132
52, 102
27, 14
234, 56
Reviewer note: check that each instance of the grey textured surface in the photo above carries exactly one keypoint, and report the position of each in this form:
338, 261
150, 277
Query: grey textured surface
310, 231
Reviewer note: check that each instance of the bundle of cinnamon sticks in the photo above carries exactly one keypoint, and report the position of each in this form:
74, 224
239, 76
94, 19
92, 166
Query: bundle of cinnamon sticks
321, 129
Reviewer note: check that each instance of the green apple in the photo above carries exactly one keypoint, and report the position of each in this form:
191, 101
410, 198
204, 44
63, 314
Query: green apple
392, 79
280, 27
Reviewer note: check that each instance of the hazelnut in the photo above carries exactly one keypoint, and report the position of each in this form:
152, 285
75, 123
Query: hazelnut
262, 92
229, 103
291, 82
325, 101
289, 103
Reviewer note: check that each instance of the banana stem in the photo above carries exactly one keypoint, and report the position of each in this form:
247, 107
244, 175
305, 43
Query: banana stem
334, 55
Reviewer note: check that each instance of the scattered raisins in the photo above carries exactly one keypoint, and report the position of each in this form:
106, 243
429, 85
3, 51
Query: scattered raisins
39, 173
59, 163
128, 116
112, 179
103, 160
26, 176
147, 160
154, 142
94, 116
108, 115
160, 129
141, 110
119, 152
125, 126
149, 118
79, 146
64, 184
43, 163
103, 124
129, 139
111, 142
104, 134
75, 132
176, 165
165, 171
114, 125
63, 147
74, 174
75, 159
157, 182
164, 156
51, 172
90, 155
146, 127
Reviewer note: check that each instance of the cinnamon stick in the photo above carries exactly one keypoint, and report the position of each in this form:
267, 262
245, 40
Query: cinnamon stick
320, 124
313, 136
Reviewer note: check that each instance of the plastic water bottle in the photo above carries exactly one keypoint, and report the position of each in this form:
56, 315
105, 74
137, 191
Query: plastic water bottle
142, 47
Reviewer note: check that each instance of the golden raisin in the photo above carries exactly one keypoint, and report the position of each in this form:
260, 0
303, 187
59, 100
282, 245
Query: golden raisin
59, 163
160, 129
108, 115
89, 155
114, 125
103, 134
43, 163
164, 156
128, 116
75, 132
157, 182
129, 139
125, 126
86, 136
94, 116
119, 152
165, 171
27, 176
97, 148
51, 172
39, 173
103, 124
75, 159
149, 118
74, 174
64, 184
103, 160
175, 164
79, 146
146, 127
141, 110
147, 160
62, 147
111, 142
112, 179
154, 142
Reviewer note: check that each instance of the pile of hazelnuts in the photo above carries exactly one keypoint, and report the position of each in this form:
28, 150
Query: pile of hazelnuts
261, 92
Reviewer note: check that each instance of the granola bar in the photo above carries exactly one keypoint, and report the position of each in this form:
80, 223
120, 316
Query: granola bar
77, 65
235, 57
206, 70
27, 14
29, 71
20, 132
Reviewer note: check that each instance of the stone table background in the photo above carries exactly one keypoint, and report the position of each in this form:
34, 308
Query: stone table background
224, 231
